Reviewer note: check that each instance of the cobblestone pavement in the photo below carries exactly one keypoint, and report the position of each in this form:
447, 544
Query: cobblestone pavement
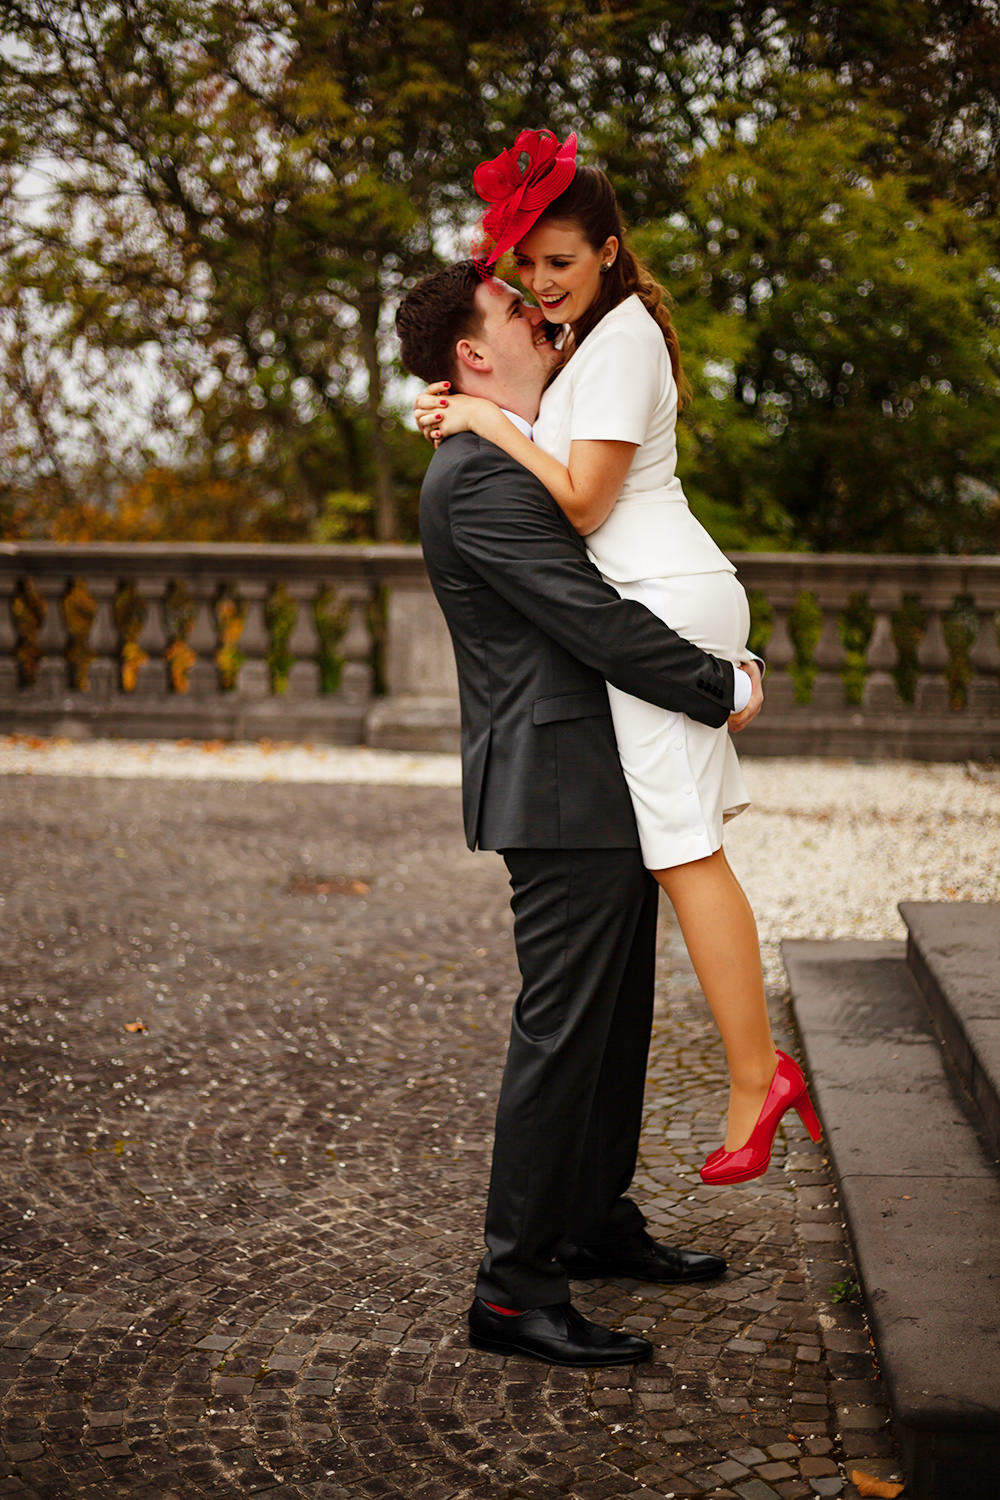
238, 1244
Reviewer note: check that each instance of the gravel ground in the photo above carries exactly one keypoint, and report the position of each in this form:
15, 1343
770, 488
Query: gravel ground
827, 850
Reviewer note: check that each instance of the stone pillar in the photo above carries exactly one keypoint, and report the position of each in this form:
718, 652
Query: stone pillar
304, 677
933, 694
881, 695
203, 639
779, 689
984, 657
828, 684
78, 612
53, 678
105, 669
254, 681
153, 677
8, 638
356, 679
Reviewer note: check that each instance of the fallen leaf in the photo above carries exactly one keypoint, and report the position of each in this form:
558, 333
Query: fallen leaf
867, 1484
306, 885
136, 1026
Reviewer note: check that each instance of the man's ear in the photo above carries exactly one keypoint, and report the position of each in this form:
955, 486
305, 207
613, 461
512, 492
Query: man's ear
472, 357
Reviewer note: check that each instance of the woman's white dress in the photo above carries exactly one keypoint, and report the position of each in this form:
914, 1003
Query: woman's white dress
684, 777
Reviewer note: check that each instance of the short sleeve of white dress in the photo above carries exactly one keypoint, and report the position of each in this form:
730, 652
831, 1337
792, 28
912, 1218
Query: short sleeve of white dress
618, 378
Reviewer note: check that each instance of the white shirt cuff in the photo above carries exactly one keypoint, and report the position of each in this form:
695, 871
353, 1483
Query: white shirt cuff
742, 688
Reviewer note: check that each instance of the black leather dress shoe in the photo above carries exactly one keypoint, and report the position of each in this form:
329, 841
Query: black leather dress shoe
557, 1334
645, 1260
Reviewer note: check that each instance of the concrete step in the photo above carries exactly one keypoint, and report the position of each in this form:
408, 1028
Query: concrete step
953, 951
920, 1191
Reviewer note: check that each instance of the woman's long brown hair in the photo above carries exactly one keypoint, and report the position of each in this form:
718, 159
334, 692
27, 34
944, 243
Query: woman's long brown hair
590, 203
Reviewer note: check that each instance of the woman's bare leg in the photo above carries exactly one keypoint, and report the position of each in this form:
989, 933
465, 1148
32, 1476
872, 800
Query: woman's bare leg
721, 937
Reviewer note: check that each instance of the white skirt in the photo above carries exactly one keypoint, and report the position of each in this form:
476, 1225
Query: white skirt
684, 777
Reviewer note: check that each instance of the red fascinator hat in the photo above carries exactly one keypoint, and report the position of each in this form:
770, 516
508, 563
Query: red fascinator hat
519, 191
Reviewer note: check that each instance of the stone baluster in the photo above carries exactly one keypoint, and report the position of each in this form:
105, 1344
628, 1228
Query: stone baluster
152, 679
105, 669
356, 647
78, 611
203, 674
131, 624
933, 694
8, 638
53, 679
881, 694
779, 689
828, 684
304, 677
984, 657
254, 680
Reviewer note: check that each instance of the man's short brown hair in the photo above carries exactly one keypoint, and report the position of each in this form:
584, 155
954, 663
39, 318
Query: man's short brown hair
432, 318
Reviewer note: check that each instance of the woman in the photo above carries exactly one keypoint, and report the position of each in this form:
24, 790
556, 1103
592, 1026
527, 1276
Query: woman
604, 446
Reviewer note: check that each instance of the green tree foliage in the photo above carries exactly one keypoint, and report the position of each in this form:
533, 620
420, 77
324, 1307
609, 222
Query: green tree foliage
208, 212
233, 197
936, 64
844, 332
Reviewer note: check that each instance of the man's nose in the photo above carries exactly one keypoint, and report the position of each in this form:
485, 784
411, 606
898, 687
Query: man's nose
535, 315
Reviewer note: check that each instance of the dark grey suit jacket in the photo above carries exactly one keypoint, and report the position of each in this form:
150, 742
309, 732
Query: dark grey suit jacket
536, 632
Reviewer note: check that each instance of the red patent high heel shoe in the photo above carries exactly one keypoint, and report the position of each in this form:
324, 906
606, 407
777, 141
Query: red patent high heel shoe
788, 1091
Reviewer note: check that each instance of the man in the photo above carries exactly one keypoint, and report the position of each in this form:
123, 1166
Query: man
537, 633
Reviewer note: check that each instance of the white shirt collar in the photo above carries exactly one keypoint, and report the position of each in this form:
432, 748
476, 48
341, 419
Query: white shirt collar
519, 422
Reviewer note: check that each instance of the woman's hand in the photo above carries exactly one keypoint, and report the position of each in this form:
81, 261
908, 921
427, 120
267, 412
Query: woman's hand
427, 409
440, 415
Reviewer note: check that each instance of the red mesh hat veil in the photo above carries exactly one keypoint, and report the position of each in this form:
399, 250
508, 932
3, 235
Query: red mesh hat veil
519, 185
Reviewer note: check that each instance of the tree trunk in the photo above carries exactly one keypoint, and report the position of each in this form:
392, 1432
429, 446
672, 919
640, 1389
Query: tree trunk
386, 519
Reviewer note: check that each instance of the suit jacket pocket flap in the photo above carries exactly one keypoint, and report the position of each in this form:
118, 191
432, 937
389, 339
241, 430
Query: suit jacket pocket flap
584, 705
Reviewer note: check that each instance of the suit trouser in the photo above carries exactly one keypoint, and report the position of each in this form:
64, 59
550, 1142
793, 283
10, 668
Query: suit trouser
570, 1110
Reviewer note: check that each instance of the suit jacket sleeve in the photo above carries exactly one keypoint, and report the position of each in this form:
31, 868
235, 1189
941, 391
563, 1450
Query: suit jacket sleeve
507, 527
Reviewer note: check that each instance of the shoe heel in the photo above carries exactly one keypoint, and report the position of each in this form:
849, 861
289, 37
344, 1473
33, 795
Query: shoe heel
809, 1117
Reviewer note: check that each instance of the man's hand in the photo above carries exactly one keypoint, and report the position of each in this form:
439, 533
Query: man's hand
747, 715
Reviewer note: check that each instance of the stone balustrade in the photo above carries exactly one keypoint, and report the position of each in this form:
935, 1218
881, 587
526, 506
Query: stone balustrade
867, 656
200, 641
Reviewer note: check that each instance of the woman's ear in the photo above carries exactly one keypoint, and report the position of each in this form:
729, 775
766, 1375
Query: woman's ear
609, 252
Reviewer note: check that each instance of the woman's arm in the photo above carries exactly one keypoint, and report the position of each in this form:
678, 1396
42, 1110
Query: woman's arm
586, 491
502, 524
